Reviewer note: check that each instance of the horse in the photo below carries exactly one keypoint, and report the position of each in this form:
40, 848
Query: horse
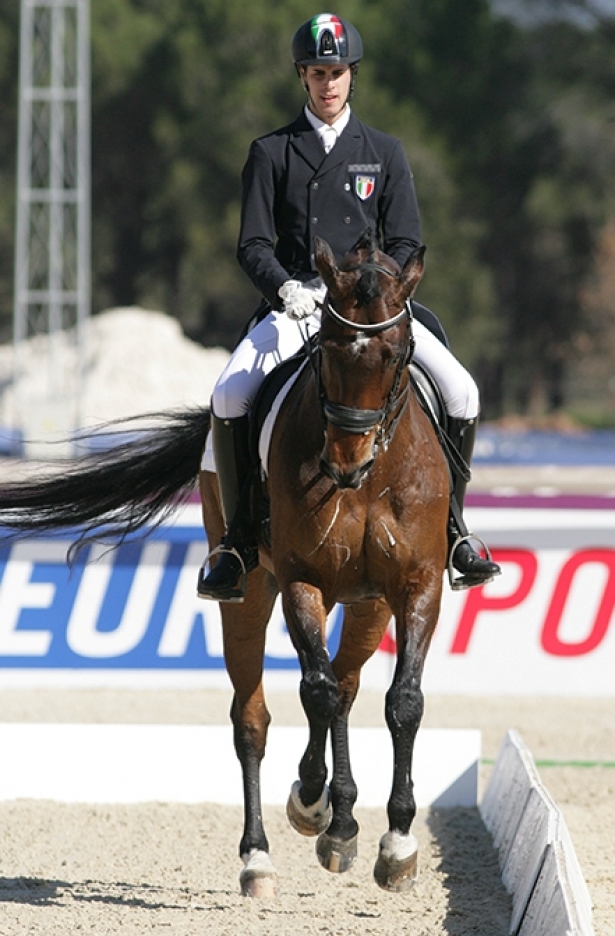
358, 489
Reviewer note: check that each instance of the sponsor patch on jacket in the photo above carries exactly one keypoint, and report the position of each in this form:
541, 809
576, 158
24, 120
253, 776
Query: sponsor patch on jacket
364, 186
368, 168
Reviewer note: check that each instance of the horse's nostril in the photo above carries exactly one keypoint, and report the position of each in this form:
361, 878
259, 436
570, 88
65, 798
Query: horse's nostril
328, 470
345, 479
354, 479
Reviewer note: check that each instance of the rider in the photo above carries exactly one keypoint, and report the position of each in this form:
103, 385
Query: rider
330, 175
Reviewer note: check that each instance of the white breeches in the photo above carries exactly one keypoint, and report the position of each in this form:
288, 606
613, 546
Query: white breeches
277, 337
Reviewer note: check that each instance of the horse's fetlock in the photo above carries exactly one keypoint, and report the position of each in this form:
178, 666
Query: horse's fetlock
344, 792
251, 841
401, 810
343, 826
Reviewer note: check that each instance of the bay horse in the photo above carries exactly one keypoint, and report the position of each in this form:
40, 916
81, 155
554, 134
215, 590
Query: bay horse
358, 486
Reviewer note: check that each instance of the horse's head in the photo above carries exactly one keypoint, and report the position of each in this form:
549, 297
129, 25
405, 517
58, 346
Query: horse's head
365, 344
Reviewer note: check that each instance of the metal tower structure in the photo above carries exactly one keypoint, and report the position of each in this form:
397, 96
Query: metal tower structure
52, 253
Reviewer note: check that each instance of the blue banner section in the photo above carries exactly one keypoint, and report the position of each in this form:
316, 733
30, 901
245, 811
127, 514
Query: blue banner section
134, 607
495, 446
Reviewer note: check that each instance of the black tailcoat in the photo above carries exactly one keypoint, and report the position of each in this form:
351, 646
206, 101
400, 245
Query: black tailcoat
293, 191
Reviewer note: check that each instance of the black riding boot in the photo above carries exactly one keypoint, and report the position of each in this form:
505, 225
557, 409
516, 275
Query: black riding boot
238, 553
462, 556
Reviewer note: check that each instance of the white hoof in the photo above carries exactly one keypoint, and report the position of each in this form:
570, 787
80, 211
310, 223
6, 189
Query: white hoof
397, 866
308, 820
258, 878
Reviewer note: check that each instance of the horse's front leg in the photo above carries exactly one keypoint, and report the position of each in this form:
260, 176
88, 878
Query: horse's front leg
397, 866
308, 807
363, 628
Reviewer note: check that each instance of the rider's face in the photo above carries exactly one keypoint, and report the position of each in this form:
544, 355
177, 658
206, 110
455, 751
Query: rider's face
328, 87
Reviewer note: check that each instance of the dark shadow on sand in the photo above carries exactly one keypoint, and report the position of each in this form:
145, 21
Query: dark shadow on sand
39, 892
477, 900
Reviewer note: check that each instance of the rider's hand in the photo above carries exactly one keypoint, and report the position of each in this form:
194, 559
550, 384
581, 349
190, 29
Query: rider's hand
299, 302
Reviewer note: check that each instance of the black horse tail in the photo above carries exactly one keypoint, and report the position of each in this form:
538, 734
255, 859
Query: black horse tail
151, 468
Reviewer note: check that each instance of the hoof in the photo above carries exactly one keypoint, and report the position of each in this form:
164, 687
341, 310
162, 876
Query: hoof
258, 878
397, 867
336, 855
308, 820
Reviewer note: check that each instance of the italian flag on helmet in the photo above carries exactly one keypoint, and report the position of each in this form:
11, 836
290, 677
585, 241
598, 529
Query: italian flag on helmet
326, 21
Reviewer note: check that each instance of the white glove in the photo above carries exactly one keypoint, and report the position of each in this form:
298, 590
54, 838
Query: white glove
299, 302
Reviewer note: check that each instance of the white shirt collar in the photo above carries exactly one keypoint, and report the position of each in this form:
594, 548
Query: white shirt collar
323, 129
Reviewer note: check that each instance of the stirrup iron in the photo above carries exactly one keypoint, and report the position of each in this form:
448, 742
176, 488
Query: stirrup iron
242, 583
458, 580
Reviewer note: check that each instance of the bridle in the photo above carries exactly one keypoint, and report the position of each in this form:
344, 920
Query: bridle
362, 421
367, 329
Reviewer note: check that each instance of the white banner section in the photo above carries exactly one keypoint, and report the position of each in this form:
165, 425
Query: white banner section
131, 616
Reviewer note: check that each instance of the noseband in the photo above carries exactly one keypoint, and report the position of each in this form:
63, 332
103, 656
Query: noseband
361, 421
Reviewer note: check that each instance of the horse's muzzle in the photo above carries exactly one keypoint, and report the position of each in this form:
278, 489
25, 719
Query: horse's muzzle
345, 479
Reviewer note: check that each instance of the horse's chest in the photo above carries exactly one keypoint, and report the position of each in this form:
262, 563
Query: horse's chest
339, 523
353, 534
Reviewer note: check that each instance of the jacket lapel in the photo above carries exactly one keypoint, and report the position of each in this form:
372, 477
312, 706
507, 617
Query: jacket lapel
307, 143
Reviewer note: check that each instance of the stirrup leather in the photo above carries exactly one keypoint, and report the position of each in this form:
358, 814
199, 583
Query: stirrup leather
243, 579
462, 581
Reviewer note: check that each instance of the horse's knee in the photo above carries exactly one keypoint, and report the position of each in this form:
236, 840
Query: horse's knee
404, 707
320, 697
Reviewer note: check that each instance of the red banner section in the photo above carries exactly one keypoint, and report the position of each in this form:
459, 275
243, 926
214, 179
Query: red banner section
546, 625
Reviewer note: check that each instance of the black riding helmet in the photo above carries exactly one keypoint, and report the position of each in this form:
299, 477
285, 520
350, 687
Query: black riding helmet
327, 38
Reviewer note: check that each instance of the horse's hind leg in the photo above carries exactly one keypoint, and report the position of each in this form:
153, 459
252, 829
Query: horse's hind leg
244, 628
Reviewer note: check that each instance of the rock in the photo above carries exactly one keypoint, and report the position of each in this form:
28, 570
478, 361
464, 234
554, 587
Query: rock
131, 361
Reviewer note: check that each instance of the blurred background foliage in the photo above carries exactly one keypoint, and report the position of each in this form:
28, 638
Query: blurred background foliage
506, 110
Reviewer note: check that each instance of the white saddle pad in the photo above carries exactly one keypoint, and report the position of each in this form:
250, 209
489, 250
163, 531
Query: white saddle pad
208, 463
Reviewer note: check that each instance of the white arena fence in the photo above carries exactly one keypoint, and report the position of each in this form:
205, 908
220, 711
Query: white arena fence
537, 859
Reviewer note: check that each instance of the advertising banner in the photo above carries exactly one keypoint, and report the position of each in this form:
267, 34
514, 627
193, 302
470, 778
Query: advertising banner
131, 615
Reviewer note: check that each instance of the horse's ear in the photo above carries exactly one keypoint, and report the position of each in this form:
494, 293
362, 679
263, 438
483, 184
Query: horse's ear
325, 262
413, 271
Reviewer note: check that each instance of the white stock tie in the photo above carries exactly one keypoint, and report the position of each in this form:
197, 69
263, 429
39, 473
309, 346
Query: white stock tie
329, 138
